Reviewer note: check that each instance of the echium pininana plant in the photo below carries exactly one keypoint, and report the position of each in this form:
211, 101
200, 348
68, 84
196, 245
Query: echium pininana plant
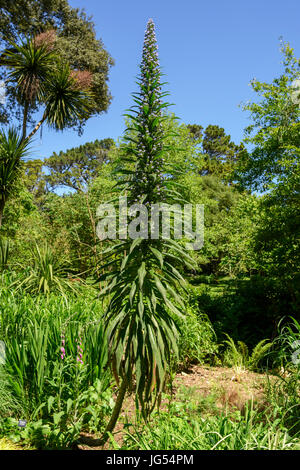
147, 185
142, 275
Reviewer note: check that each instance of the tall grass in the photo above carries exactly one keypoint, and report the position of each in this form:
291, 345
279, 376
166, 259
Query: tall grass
8, 403
32, 330
173, 431
284, 393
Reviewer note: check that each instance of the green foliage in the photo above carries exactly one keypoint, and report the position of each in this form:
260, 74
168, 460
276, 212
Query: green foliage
179, 428
285, 352
283, 394
52, 389
4, 253
71, 221
12, 150
237, 355
276, 241
197, 342
65, 102
28, 66
8, 402
33, 178
248, 309
78, 167
221, 155
230, 218
39, 435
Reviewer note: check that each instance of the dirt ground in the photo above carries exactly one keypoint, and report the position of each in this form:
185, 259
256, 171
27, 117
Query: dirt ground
230, 388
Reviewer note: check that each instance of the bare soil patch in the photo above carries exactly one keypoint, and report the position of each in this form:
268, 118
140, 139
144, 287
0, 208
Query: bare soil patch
231, 388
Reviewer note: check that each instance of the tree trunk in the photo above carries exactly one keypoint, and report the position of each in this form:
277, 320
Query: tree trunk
37, 127
24, 128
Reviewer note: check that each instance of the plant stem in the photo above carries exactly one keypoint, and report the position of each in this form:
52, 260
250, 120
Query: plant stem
113, 420
37, 127
25, 116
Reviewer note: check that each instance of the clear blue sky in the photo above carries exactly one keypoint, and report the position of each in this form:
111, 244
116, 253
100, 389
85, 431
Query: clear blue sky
209, 51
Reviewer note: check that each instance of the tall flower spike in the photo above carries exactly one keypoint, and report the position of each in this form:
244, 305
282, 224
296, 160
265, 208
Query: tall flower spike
147, 182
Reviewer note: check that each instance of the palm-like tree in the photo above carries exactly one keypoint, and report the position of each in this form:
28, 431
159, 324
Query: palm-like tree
12, 150
64, 100
40, 79
29, 65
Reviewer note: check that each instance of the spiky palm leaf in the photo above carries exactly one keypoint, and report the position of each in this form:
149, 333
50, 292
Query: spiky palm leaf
42, 78
65, 101
29, 66
47, 274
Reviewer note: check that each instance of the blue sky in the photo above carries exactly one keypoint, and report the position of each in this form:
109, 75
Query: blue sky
209, 51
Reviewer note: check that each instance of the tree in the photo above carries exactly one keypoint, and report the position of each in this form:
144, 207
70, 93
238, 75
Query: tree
34, 177
221, 155
273, 166
76, 44
71, 223
196, 131
218, 155
142, 279
78, 167
229, 224
40, 78
29, 66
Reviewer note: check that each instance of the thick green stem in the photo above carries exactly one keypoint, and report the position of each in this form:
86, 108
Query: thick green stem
113, 420
116, 411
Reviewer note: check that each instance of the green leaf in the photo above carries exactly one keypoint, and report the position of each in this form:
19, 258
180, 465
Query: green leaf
142, 274
50, 402
57, 417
